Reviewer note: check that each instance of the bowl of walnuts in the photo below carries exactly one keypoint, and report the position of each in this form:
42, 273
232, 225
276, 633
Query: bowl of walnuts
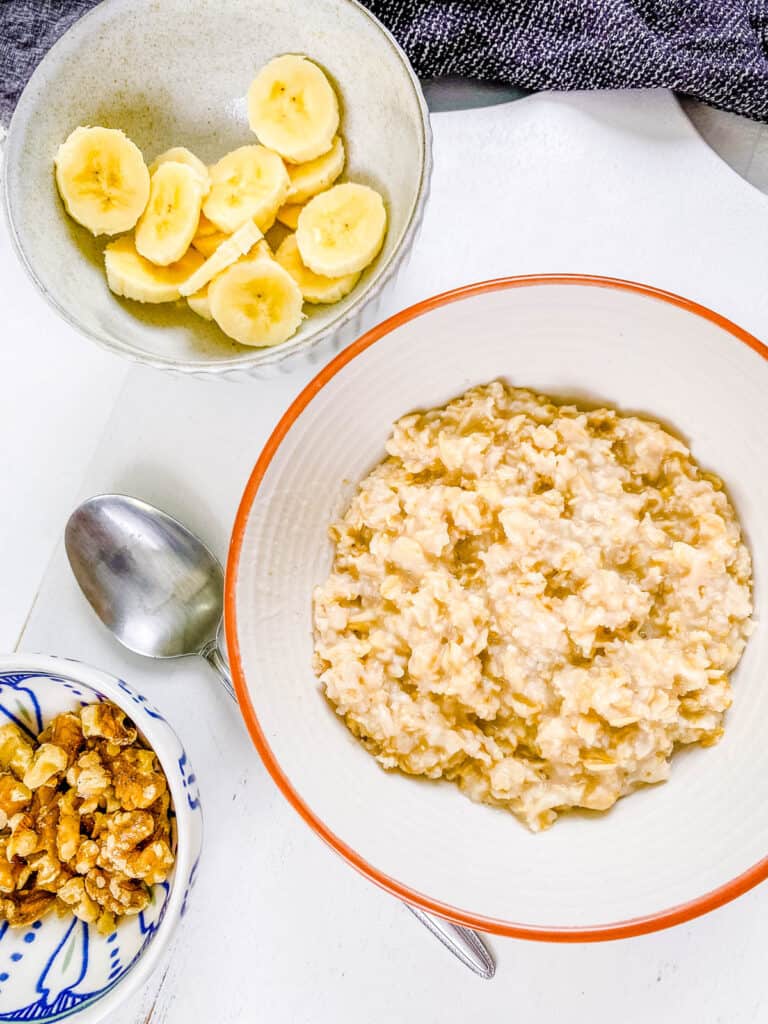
100, 836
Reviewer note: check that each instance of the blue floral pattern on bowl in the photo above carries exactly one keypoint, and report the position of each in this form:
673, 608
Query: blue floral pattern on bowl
59, 967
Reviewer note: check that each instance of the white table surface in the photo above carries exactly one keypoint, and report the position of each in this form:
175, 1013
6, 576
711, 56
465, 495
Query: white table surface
618, 184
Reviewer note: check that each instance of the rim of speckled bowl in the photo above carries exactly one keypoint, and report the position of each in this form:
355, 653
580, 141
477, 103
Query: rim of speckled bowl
108, 685
259, 357
583, 933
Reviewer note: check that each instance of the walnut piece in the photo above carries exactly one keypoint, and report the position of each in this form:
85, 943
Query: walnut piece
13, 873
14, 797
85, 820
68, 828
89, 776
47, 762
116, 893
45, 812
73, 894
26, 907
125, 831
152, 864
109, 722
86, 856
23, 840
65, 731
15, 750
137, 778
50, 873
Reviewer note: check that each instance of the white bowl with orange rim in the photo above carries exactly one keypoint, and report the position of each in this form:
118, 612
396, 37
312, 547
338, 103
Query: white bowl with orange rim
667, 854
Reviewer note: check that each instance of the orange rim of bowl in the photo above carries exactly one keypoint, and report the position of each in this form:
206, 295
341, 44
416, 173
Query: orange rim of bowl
618, 930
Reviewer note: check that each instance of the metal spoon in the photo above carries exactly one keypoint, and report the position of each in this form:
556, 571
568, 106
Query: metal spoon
154, 584
159, 589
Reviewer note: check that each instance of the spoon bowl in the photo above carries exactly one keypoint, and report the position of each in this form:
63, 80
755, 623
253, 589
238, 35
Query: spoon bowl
154, 584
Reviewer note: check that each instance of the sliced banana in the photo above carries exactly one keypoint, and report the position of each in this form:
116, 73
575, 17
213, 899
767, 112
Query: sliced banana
205, 227
261, 249
316, 175
103, 180
182, 155
250, 183
293, 109
208, 244
207, 237
237, 245
314, 287
130, 275
256, 302
342, 230
200, 303
169, 223
289, 214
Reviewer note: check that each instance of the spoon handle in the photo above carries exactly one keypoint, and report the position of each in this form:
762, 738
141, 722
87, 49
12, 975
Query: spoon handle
219, 664
215, 653
466, 945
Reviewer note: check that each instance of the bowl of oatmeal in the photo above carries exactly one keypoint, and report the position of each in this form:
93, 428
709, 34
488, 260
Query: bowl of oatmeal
493, 607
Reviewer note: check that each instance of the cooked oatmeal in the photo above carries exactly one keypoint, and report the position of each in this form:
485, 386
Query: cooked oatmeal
535, 601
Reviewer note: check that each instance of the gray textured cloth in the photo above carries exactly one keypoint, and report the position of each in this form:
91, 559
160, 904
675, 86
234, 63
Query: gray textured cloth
28, 28
715, 50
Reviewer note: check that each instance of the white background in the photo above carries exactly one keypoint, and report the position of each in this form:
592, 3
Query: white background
280, 930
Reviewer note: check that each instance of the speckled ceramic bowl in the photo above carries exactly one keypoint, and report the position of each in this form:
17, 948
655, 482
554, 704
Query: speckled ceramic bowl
176, 73
62, 968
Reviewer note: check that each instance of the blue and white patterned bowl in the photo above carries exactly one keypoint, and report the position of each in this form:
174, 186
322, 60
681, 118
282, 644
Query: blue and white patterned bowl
61, 967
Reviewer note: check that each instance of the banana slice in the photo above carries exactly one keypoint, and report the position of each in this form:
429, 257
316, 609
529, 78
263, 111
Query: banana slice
293, 109
208, 244
250, 183
200, 303
205, 227
314, 287
289, 215
341, 231
182, 155
230, 250
256, 302
261, 249
207, 237
317, 175
103, 180
169, 223
130, 275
